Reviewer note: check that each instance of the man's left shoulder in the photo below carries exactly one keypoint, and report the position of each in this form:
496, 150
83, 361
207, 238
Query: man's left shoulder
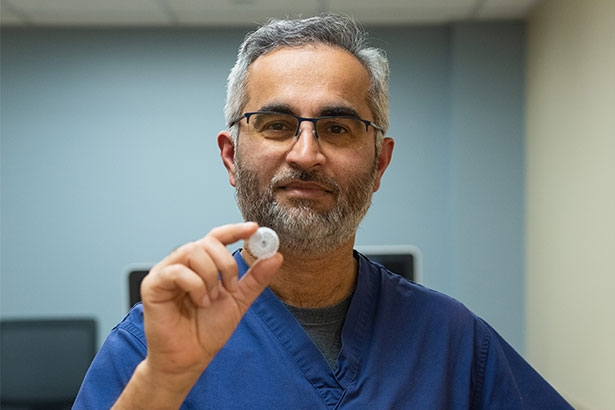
413, 300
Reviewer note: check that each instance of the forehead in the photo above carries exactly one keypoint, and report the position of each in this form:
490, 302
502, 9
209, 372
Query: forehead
307, 79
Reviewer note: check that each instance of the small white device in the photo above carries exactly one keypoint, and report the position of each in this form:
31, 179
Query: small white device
263, 243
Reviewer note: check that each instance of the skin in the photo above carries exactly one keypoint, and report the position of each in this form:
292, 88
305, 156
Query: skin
309, 80
190, 311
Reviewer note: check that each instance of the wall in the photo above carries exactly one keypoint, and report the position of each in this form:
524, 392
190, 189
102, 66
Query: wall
571, 198
109, 159
487, 171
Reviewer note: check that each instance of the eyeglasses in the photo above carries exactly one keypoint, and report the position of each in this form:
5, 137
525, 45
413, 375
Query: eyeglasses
335, 130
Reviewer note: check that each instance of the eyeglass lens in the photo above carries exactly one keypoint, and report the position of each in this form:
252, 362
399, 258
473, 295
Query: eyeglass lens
333, 130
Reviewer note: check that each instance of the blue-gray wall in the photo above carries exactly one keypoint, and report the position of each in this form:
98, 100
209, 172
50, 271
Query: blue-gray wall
109, 158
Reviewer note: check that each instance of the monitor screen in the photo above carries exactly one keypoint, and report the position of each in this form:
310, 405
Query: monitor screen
403, 260
44, 361
134, 285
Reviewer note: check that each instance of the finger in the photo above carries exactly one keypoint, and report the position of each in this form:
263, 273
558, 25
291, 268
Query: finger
205, 259
199, 260
195, 258
226, 234
215, 244
222, 259
171, 283
257, 278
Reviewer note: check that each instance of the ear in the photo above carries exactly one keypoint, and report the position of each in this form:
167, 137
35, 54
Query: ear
384, 159
227, 153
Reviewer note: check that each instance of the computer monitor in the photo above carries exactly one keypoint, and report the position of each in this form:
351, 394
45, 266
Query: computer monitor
135, 276
43, 361
404, 260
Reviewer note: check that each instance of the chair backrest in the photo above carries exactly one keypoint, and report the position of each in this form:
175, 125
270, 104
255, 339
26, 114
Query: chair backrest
43, 361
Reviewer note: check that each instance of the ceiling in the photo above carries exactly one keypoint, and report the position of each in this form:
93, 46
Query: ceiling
247, 12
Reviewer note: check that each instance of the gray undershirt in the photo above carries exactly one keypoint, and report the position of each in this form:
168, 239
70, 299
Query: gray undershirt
324, 327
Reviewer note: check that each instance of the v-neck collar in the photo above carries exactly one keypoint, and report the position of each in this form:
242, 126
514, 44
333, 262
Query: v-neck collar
330, 384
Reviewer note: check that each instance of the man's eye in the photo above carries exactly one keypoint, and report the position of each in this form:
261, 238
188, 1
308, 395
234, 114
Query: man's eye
337, 129
276, 126
335, 126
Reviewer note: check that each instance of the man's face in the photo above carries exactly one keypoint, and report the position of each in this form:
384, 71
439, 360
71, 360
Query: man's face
313, 194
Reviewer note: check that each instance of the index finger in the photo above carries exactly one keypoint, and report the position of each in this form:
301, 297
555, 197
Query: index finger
214, 244
225, 234
231, 233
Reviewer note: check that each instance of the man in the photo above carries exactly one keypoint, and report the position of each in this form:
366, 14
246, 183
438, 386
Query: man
316, 326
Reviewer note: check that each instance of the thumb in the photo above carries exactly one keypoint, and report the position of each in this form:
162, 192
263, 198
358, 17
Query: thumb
257, 278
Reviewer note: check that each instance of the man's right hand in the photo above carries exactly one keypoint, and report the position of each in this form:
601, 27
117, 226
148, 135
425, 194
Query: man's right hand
192, 303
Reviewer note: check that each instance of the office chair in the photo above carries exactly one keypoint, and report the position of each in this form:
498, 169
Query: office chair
43, 361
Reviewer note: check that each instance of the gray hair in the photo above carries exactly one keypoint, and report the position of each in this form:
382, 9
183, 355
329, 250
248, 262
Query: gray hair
330, 29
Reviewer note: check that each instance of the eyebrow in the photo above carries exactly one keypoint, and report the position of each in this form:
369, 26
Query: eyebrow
281, 108
331, 111
339, 111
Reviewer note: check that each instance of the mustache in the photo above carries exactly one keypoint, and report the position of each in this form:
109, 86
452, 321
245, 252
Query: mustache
292, 175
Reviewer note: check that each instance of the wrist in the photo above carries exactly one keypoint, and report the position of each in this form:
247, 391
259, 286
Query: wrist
151, 389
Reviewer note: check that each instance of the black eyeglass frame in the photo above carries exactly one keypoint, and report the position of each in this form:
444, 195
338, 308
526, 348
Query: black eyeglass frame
313, 120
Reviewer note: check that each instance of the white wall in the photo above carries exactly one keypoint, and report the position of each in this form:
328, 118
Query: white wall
570, 152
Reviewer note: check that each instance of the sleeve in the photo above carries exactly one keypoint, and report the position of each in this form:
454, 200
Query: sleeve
505, 381
114, 364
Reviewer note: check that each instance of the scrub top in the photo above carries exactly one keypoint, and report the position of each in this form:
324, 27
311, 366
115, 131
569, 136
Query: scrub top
403, 347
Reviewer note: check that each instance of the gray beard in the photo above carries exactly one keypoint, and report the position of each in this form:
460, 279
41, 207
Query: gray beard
302, 228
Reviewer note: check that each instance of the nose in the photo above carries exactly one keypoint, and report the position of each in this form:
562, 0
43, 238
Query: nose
305, 151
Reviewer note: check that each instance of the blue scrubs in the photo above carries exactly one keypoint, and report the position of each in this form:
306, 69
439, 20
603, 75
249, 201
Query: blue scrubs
403, 347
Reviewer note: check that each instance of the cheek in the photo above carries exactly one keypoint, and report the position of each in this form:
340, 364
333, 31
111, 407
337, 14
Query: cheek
257, 158
354, 162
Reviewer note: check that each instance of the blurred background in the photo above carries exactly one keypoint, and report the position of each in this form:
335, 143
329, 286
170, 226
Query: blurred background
503, 175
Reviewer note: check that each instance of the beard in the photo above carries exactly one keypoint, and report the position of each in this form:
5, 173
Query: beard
299, 224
